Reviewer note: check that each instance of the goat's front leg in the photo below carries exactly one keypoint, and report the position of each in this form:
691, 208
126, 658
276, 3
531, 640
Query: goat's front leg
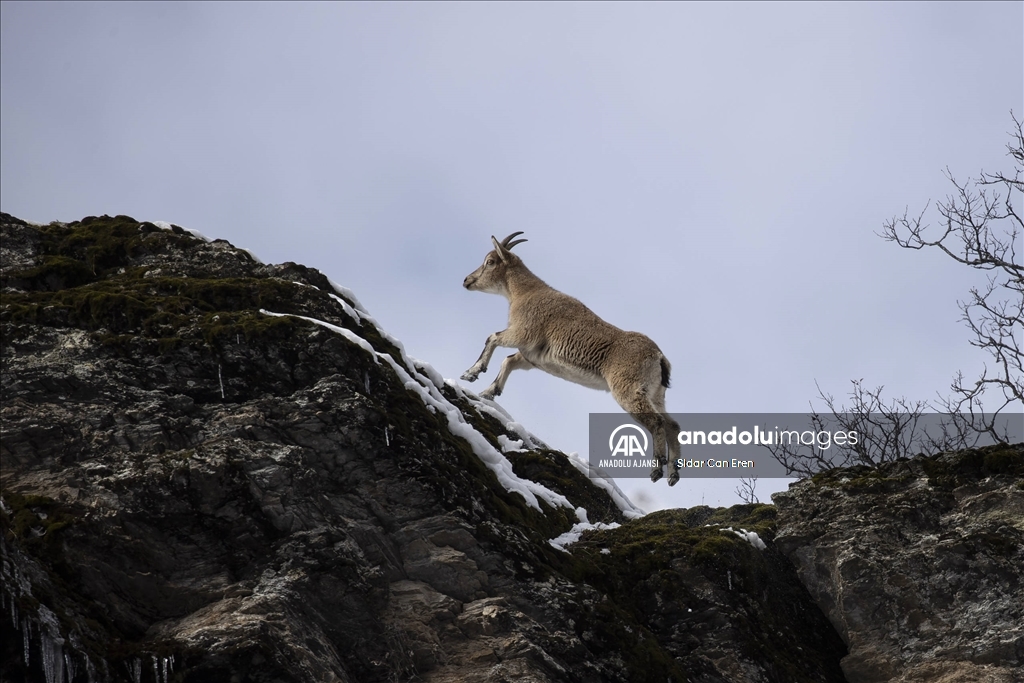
493, 342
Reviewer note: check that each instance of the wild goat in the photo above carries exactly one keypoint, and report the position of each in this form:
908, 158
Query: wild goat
558, 334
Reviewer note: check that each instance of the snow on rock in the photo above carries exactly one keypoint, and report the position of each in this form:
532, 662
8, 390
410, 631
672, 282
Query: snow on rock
253, 256
348, 294
164, 225
573, 534
347, 334
750, 537
488, 407
422, 382
601, 480
508, 445
421, 378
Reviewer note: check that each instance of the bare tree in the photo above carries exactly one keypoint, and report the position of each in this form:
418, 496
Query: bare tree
980, 229
746, 490
887, 431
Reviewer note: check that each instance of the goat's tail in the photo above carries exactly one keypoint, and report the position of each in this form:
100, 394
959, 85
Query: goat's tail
666, 372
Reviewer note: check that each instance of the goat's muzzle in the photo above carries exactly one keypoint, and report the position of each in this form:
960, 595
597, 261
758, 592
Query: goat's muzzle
469, 281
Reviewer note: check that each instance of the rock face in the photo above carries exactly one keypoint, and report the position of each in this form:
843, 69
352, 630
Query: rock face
218, 470
919, 565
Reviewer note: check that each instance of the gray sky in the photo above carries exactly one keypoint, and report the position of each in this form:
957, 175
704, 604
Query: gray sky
711, 175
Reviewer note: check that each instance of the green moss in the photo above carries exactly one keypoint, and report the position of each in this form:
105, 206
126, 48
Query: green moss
106, 244
649, 545
54, 273
36, 520
163, 308
950, 470
1003, 460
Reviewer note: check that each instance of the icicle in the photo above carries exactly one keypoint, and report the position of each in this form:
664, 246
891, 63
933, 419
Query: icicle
135, 669
53, 658
156, 669
14, 614
26, 626
69, 667
90, 670
387, 439
729, 575
167, 663
238, 338
366, 381
221, 380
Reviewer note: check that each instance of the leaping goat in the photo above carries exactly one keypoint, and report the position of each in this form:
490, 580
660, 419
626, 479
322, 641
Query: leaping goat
558, 334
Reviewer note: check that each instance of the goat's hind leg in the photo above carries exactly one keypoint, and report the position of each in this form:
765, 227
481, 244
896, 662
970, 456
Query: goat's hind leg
514, 362
666, 448
671, 428
635, 402
655, 425
666, 432
669, 432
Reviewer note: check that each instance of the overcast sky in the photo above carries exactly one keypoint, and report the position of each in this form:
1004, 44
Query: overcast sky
712, 175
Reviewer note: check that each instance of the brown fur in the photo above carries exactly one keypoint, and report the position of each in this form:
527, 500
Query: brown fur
558, 334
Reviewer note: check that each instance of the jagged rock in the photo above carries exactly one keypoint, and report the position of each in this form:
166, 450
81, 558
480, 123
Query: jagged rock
197, 489
918, 564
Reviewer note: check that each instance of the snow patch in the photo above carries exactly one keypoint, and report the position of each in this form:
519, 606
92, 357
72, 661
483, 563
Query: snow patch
601, 480
573, 534
164, 225
750, 537
348, 294
347, 334
253, 256
508, 445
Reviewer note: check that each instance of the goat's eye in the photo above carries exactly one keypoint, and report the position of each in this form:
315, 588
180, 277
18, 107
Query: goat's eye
490, 262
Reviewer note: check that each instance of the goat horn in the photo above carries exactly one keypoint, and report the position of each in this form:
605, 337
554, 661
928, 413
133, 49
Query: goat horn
507, 243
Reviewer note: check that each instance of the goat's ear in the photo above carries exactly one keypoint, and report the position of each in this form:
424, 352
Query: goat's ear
498, 248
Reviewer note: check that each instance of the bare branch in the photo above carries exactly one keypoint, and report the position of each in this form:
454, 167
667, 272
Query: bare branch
746, 490
980, 228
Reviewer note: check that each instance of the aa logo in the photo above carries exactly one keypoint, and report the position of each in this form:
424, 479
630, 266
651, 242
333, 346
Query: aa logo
627, 444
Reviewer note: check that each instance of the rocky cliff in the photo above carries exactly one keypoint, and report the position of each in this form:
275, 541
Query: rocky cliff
215, 469
918, 564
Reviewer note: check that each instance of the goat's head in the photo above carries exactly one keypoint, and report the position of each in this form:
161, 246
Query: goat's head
491, 276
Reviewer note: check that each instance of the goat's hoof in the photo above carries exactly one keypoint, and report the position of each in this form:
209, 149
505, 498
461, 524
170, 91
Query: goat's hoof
656, 474
469, 376
673, 479
489, 394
